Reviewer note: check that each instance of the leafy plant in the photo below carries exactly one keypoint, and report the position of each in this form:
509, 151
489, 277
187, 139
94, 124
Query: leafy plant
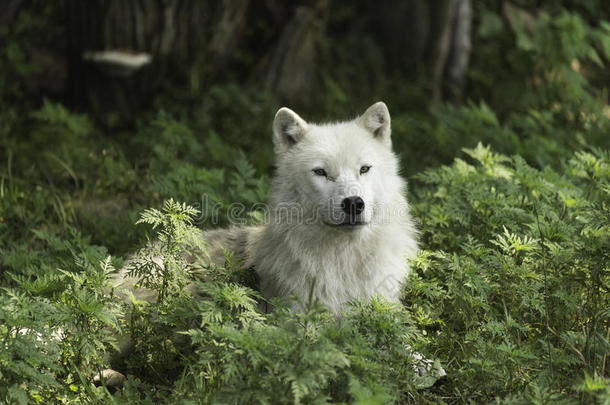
160, 266
514, 278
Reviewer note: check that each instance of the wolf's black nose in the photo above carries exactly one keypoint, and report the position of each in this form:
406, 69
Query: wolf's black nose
352, 205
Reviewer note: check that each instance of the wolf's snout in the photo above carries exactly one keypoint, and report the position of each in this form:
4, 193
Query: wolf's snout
352, 206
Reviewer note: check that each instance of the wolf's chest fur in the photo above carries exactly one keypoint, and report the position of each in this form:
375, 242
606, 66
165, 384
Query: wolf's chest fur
330, 266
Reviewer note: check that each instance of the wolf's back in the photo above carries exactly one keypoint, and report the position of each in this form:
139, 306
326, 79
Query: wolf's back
240, 242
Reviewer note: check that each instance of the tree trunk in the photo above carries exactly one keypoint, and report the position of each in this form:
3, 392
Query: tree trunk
461, 47
228, 32
442, 18
292, 71
451, 46
429, 36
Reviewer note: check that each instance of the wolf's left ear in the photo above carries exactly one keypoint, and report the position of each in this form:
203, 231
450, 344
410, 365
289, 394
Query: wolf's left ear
288, 129
376, 120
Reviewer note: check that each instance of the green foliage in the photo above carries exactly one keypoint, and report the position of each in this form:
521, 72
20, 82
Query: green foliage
19, 40
160, 266
537, 88
87, 319
290, 362
234, 353
306, 357
53, 346
514, 278
29, 350
207, 188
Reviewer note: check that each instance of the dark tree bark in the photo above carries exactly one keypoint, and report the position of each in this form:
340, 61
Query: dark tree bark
228, 31
441, 44
430, 36
461, 46
405, 29
292, 70
11, 8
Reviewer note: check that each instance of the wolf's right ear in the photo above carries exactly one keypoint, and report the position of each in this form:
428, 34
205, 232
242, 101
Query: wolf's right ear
288, 129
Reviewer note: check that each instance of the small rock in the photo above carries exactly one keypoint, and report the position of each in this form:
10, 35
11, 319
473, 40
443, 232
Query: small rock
111, 378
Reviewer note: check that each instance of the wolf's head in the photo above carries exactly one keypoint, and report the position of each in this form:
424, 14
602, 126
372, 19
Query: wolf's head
340, 175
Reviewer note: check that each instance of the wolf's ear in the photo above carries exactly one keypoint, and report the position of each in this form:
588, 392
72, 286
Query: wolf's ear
288, 129
376, 120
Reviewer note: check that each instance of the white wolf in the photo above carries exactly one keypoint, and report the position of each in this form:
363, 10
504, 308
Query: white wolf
338, 226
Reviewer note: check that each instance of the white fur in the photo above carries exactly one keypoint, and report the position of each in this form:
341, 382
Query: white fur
299, 252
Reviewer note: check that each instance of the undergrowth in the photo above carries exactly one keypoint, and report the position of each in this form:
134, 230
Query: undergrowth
509, 291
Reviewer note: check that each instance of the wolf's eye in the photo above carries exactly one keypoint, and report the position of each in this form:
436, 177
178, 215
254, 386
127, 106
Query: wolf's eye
320, 172
364, 169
